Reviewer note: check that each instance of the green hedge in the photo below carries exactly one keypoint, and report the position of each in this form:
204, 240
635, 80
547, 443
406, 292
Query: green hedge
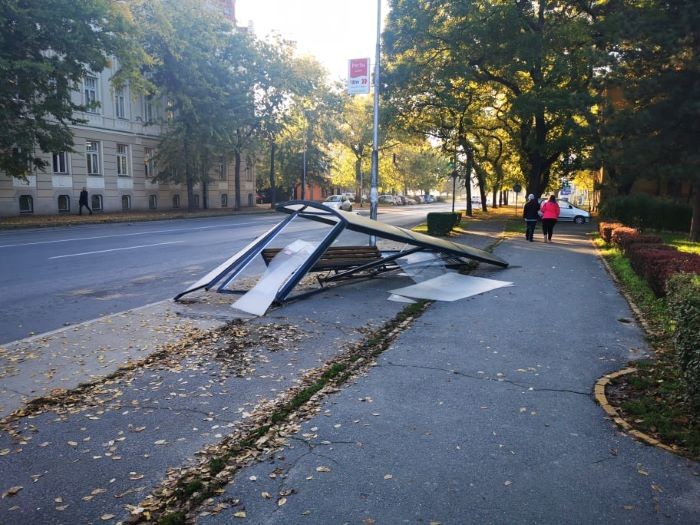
441, 223
644, 211
683, 296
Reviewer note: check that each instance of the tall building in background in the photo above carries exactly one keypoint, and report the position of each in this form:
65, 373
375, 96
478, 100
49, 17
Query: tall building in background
113, 157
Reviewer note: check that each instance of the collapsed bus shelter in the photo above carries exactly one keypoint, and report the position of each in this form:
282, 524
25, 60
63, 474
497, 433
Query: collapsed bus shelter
288, 265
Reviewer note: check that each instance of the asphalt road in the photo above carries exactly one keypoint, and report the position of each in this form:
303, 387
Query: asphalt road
53, 277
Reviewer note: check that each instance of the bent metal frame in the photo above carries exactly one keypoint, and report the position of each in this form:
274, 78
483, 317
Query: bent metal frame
223, 275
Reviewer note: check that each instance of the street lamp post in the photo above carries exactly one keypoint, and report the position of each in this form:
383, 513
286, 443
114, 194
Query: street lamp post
373, 196
303, 175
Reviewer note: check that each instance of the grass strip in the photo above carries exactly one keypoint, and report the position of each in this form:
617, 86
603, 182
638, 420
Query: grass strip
652, 399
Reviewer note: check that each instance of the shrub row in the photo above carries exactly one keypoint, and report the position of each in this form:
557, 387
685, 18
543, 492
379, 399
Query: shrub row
684, 304
656, 264
441, 223
645, 211
675, 275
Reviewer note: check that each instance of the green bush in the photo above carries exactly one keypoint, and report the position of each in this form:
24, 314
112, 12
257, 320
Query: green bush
683, 295
441, 223
644, 211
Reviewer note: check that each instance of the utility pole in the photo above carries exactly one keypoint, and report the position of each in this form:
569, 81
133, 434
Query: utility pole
373, 196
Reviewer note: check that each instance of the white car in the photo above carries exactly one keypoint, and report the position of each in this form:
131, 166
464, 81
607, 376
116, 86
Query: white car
569, 212
338, 202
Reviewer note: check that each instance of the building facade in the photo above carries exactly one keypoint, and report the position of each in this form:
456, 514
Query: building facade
113, 158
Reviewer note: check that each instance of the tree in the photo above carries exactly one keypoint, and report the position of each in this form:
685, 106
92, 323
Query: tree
201, 70
650, 126
46, 49
537, 54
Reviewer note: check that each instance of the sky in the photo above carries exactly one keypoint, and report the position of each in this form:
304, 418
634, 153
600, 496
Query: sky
334, 31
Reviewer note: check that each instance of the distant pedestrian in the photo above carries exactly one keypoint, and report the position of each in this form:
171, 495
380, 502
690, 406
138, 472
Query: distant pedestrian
531, 216
83, 201
550, 214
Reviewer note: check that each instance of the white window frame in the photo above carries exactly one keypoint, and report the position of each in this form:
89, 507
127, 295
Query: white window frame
65, 209
123, 160
96, 202
148, 110
126, 202
60, 163
29, 201
93, 166
149, 163
176, 200
120, 103
222, 168
153, 201
224, 200
91, 93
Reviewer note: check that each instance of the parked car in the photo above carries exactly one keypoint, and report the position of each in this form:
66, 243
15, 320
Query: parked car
430, 199
418, 198
569, 212
338, 202
388, 199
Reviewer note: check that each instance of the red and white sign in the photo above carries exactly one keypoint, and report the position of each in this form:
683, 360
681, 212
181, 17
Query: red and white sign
358, 76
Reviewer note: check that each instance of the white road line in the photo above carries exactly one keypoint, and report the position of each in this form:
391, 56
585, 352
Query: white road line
114, 250
175, 230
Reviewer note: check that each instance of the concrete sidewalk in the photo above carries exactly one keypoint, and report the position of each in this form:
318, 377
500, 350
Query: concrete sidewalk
481, 411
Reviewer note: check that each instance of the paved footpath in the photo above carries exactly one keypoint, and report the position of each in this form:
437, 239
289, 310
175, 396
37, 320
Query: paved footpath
481, 412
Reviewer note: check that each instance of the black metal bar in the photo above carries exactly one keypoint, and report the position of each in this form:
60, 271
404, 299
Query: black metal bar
373, 264
310, 262
244, 256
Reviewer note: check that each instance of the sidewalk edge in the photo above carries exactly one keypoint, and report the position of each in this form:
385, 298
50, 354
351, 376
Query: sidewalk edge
602, 400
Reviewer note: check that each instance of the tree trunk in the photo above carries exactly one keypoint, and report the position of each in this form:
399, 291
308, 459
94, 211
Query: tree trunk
695, 222
494, 197
188, 177
273, 187
237, 180
205, 194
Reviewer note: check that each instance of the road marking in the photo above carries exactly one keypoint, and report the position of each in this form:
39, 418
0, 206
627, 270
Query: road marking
73, 239
114, 250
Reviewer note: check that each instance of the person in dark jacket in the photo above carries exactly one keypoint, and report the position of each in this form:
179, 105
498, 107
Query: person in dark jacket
83, 201
530, 215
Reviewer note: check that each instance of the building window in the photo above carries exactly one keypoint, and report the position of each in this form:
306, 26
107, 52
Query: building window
120, 103
90, 94
251, 200
92, 154
170, 110
222, 168
60, 163
122, 160
176, 201
63, 204
148, 112
126, 202
153, 201
26, 204
96, 202
224, 200
149, 162
248, 171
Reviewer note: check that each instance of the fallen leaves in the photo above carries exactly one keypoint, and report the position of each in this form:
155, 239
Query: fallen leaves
13, 491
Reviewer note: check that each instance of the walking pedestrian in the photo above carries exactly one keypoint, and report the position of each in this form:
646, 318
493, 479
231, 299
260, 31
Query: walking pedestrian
550, 214
531, 216
83, 201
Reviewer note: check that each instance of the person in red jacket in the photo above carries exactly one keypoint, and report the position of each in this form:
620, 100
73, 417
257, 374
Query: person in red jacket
550, 214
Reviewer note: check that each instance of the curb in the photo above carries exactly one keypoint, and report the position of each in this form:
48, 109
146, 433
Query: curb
599, 388
602, 400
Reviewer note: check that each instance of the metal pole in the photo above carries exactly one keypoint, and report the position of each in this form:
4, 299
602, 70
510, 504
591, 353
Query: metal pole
373, 196
303, 176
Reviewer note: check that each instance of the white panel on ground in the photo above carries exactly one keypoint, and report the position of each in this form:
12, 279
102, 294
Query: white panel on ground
450, 287
421, 266
259, 298
400, 299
